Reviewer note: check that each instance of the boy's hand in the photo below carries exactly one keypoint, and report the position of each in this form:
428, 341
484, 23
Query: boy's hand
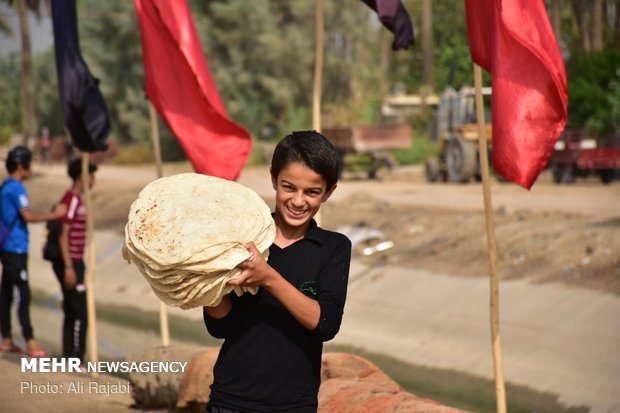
58, 212
256, 272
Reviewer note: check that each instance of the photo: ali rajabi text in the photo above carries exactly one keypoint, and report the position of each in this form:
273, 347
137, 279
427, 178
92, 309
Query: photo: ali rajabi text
77, 387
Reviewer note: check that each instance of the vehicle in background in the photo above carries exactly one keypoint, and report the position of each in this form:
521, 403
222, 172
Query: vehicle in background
580, 154
456, 133
374, 141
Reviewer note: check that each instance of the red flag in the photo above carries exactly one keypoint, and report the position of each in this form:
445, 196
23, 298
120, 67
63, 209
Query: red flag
514, 41
180, 86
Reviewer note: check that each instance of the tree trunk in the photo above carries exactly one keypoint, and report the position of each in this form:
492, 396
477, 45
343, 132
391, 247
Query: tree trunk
597, 25
617, 37
26, 54
384, 85
556, 18
427, 43
581, 17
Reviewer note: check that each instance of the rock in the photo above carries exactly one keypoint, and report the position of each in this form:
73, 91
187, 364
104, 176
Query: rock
159, 389
195, 390
349, 366
352, 384
349, 384
358, 396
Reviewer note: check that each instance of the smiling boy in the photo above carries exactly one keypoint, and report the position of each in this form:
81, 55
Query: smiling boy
273, 341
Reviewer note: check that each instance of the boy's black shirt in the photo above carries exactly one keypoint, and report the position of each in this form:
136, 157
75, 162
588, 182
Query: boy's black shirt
269, 362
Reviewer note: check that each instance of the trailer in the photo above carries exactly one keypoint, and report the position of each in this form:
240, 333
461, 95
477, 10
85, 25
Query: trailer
374, 141
580, 154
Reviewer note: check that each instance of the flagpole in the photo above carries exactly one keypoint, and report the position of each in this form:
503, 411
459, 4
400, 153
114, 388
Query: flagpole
318, 78
318, 68
163, 311
492, 251
93, 352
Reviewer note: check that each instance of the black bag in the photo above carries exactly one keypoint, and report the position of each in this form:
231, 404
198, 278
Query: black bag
51, 246
4, 232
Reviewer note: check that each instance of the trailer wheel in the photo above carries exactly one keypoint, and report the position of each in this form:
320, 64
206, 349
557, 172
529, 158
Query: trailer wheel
460, 160
569, 174
607, 176
432, 170
557, 171
379, 161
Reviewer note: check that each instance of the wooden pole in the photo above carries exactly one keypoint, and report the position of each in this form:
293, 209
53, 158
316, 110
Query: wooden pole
318, 78
163, 311
93, 350
318, 68
488, 213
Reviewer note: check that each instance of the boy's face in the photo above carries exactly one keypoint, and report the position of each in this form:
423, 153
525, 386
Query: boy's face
91, 181
299, 194
26, 172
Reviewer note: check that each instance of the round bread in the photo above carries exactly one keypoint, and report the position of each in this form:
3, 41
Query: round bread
187, 233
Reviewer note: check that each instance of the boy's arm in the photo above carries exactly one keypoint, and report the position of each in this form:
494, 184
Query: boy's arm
257, 273
220, 320
303, 308
30, 216
70, 277
221, 310
332, 290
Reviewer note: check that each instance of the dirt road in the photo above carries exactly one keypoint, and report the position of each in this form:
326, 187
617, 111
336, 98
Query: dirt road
425, 300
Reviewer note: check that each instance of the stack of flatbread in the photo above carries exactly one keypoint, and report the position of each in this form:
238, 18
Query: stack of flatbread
187, 234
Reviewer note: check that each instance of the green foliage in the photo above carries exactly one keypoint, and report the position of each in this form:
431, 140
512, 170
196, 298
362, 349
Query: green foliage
257, 156
263, 61
594, 92
450, 49
262, 58
47, 100
134, 154
10, 104
110, 43
421, 149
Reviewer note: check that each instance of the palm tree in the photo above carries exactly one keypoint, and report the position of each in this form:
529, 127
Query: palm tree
4, 26
23, 6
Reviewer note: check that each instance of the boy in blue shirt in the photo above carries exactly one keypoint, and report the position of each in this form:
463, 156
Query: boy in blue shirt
15, 212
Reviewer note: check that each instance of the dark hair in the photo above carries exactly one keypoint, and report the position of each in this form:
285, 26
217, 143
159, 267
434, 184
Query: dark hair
311, 149
19, 155
75, 168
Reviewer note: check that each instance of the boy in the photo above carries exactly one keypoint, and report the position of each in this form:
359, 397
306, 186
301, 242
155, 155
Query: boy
271, 357
15, 212
69, 268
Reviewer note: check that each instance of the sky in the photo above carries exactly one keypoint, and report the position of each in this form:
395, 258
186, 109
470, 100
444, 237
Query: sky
41, 33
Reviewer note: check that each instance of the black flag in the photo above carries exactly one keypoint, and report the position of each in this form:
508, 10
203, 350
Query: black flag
85, 112
394, 16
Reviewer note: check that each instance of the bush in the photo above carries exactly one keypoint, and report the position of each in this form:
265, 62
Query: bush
421, 149
134, 154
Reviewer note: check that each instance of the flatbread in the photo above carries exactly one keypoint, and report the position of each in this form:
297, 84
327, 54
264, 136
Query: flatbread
187, 233
192, 218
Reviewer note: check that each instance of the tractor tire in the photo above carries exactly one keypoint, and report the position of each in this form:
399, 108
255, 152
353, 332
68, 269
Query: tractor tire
607, 176
460, 160
432, 170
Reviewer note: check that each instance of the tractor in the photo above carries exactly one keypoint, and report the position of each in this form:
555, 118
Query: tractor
456, 133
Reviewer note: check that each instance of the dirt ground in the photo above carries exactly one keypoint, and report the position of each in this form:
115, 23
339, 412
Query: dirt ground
568, 234
552, 234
